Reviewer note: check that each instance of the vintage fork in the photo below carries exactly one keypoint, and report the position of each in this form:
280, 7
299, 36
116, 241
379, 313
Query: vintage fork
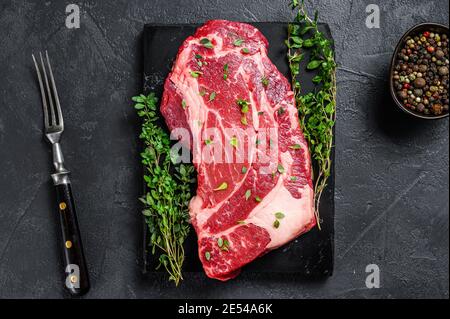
77, 279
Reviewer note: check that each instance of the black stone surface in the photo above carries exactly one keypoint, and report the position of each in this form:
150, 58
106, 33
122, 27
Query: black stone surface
310, 255
391, 171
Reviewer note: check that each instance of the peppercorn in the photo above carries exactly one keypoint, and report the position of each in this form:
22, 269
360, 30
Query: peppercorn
422, 68
402, 94
437, 109
419, 83
443, 70
440, 54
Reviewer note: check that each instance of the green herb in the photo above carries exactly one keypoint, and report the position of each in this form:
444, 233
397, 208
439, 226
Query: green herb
317, 110
279, 215
258, 142
276, 224
265, 81
244, 170
280, 169
220, 242
234, 142
139, 106
281, 111
183, 104
240, 222
207, 43
198, 56
244, 120
212, 96
258, 199
295, 146
293, 178
208, 256
238, 42
202, 92
261, 113
222, 187
314, 64
225, 71
226, 245
167, 193
244, 104
208, 142
196, 74
248, 193
245, 51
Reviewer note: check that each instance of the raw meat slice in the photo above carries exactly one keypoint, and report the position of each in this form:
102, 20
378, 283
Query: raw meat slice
254, 172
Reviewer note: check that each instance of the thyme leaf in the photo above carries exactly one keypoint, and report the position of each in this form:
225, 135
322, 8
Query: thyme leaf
207, 43
222, 187
238, 42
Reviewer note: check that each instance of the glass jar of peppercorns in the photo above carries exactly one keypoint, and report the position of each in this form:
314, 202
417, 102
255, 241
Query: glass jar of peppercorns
420, 71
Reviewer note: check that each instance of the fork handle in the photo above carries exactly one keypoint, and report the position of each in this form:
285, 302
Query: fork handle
77, 278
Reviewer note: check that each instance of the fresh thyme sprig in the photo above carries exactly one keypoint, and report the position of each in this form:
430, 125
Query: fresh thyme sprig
167, 192
317, 110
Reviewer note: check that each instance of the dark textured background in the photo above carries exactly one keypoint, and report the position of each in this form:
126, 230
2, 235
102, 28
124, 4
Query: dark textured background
391, 171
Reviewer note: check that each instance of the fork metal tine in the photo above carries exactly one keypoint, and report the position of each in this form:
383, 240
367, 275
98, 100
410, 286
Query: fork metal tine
55, 92
41, 87
49, 93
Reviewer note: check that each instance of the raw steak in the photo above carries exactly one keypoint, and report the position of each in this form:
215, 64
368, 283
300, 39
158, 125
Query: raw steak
226, 93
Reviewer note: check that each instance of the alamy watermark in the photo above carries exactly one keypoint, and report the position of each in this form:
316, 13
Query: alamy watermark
373, 277
73, 17
73, 276
231, 146
373, 19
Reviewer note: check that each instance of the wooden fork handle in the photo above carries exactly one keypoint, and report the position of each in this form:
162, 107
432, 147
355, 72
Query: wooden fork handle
77, 278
